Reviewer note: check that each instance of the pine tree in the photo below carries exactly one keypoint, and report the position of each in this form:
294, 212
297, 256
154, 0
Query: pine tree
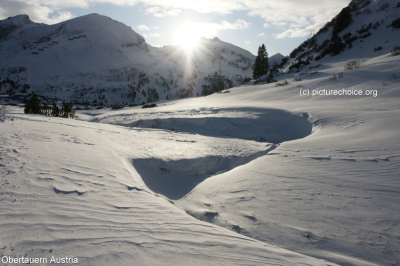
261, 64
66, 110
32, 106
256, 70
264, 61
56, 110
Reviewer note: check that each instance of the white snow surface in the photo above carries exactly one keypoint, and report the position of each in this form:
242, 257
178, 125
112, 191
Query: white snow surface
69, 190
256, 175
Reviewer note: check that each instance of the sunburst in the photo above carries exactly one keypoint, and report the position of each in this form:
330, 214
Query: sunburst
189, 35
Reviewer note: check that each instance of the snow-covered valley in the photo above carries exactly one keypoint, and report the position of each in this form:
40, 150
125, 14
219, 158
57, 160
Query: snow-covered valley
196, 181
69, 190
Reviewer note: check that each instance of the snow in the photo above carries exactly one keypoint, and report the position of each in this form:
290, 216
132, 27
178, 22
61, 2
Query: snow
275, 59
204, 181
96, 58
17, 21
69, 189
288, 173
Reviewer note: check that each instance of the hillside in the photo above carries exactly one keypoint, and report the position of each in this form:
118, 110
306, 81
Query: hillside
94, 59
363, 29
206, 180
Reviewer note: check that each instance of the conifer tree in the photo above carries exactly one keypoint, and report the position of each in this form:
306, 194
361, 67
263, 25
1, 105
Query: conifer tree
256, 70
66, 110
32, 106
56, 110
261, 64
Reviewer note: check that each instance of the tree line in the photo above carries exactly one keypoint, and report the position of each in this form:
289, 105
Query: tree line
33, 106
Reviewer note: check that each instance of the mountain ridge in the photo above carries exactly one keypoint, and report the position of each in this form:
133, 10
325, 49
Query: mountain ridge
94, 59
362, 29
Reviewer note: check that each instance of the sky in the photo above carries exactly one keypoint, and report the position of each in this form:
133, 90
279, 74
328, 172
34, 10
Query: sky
279, 24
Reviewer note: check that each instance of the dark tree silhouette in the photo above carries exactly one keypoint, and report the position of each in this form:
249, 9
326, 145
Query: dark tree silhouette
32, 106
261, 64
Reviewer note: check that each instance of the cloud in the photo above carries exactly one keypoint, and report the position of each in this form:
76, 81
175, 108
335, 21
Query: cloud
207, 30
260, 34
143, 28
295, 18
155, 34
147, 28
210, 30
304, 30
160, 12
204, 6
238, 25
36, 11
152, 35
279, 23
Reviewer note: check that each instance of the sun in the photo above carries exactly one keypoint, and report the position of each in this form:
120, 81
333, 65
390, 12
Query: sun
189, 42
189, 35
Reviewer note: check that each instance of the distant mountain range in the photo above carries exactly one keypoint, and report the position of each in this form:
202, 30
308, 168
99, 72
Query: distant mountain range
96, 60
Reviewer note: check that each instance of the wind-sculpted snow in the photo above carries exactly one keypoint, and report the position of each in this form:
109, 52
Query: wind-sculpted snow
227, 140
333, 194
258, 124
63, 198
176, 178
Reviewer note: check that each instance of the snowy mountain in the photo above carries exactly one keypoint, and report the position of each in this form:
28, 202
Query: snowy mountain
362, 29
96, 59
276, 59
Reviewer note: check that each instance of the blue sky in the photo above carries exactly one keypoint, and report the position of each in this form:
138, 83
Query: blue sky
280, 24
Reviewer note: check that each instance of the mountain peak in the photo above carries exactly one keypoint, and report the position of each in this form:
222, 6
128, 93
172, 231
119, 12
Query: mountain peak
13, 24
275, 59
18, 21
102, 27
93, 17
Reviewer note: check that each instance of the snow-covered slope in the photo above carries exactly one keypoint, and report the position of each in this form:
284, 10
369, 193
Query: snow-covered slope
363, 29
275, 59
94, 59
126, 186
71, 191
